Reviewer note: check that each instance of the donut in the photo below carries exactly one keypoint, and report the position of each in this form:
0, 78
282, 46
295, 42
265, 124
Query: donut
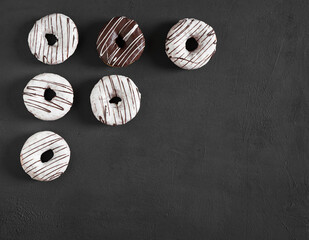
62, 29
35, 146
180, 33
51, 109
120, 42
111, 88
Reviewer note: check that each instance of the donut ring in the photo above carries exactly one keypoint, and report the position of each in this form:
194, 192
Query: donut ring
41, 108
175, 45
109, 88
63, 28
111, 52
35, 146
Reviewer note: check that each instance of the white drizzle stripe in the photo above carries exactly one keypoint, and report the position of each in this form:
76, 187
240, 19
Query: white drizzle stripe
114, 43
63, 28
139, 48
105, 29
109, 32
175, 45
35, 146
131, 47
126, 37
109, 87
109, 51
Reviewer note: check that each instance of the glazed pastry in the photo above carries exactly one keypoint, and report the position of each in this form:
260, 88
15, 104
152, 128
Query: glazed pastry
175, 46
115, 100
54, 108
64, 32
35, 146
121, 42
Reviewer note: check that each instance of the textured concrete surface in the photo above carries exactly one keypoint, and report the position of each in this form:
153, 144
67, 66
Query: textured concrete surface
216, 153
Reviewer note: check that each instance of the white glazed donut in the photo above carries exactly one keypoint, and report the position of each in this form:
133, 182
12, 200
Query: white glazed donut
35, 146
109, 88
175, 45
63, 28
41, 108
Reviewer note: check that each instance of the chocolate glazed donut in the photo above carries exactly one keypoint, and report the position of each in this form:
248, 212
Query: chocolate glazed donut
120, 42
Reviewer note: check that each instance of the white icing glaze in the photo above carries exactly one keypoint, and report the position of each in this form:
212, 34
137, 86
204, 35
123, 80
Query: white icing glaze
35, 146
115, 86
64, 30
41, 108
175, 46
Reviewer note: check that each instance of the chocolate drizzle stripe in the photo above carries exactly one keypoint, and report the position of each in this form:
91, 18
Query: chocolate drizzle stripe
179, 46
40, 147
55, 83
101, 102
177, 37
34, 88
125, 100
52, 177
38, 144
32, 163
68, 36
200, 53
114, 94
58, 43
177, 28
180, 36
50, 163
208, 40
59, 149
34, 95
63, 28
36, 106
62, 166
50, 168
106, 94
46, 103
115, 114
44, 56
132, 96
61, 37
53, 134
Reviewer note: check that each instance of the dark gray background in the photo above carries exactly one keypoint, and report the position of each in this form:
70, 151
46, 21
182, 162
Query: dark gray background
216, 153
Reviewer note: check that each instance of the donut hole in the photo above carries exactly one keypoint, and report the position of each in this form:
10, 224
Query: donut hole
120, 42
115, 100
46, 156
191, 44
51, 39
49, 94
